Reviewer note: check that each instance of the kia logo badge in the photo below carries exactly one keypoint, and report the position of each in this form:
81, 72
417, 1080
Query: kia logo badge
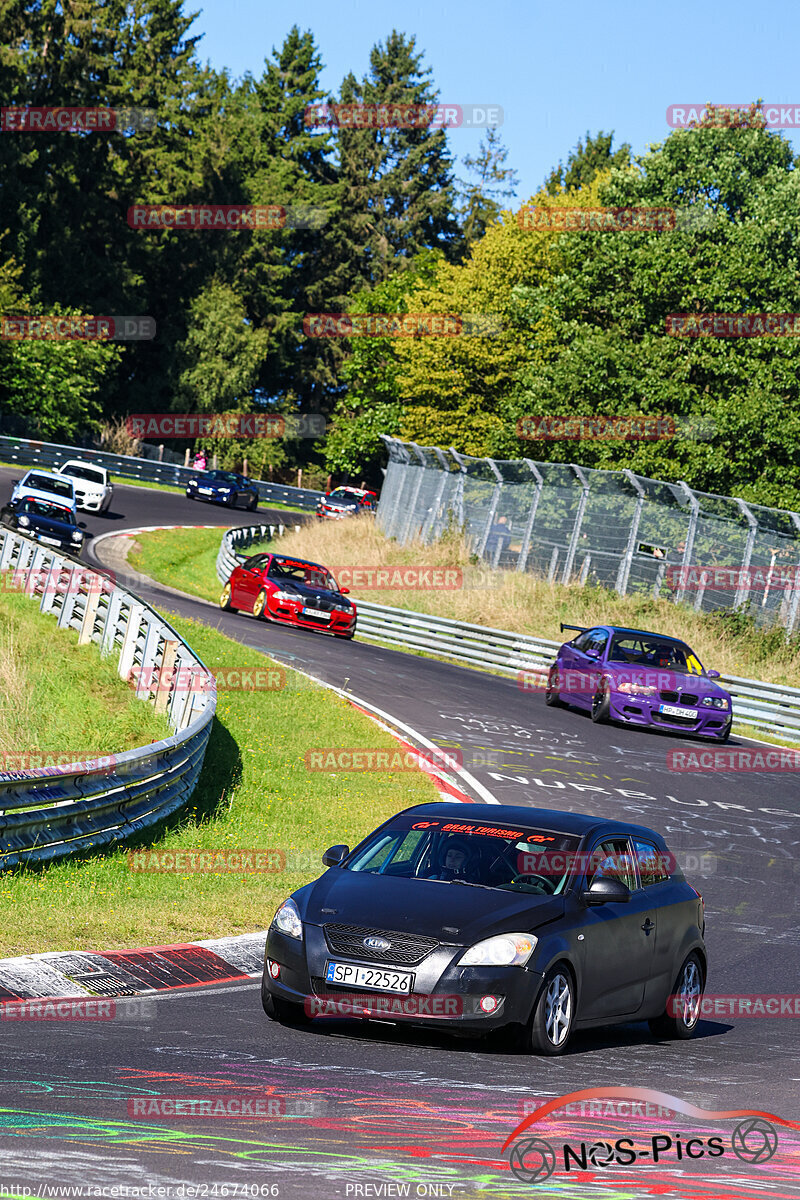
376, 943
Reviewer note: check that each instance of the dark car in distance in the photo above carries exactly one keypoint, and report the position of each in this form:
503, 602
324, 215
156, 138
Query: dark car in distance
639, 678
345, 502
45, 521
291, 591
542, 920
224, 487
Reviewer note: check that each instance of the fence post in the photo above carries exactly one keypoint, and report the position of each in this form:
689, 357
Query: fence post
688, 549
791, 616
430, 520
623, 574
412, 504
458, 499
498, 487
573, 541
743, 588
526, 537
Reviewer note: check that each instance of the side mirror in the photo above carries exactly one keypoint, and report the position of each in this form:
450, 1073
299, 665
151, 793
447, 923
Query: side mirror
344, 591
607, 891
13, 504
713, 674
592, 653
81, 524
334, 855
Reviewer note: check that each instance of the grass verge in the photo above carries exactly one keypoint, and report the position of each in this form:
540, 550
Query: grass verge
254, 793
503, 599
58, 697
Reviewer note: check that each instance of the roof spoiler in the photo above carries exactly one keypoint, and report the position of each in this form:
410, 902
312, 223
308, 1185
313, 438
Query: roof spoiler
580, 628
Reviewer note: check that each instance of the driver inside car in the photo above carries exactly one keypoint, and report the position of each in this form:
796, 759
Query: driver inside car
455, 860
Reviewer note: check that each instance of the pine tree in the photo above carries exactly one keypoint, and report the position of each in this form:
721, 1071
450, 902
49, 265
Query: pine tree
479, 198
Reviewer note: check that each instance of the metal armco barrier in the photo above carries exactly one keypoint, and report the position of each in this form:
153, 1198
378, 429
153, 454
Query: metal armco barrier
50, 812
773, 708
236, 540
50, 454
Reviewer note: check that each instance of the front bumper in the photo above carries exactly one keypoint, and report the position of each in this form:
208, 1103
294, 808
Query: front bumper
642, 710
91, 501
439, 983
340, 622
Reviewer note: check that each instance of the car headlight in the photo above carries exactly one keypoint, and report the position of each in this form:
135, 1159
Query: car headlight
637, 689
24, 522
287, 919
505, 950
343, 607
715, 702
77, 535
285, 596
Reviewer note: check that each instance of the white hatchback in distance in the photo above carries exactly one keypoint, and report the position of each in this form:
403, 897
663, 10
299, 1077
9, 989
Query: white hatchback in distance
94, 490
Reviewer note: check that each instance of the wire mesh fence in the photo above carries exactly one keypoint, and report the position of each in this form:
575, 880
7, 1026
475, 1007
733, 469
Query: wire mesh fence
616, 529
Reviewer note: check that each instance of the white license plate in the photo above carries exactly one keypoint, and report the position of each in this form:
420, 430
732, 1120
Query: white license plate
315, 612
49, 541
672, 710
205, 491
376, 978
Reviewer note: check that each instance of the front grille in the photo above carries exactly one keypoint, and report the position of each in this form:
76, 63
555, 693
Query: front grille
679, 698
407, 949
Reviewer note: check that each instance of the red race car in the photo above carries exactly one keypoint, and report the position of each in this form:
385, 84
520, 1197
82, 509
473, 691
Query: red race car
346, 502
292, 592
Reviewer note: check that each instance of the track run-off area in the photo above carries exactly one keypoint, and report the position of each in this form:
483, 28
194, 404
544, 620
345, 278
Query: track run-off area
380, 1109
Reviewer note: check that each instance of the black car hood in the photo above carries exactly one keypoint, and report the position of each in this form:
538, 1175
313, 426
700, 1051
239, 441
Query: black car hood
424, 906
306, 592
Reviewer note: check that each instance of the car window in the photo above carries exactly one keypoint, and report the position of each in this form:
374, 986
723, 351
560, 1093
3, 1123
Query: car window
652, 651
583, 639
87, 473
612, 859
310, 574
255, 562
652, 863
59, 487
42, 508
598, 639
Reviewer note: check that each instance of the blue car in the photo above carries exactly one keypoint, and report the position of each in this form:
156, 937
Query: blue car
224, 487
47, 521
639, 678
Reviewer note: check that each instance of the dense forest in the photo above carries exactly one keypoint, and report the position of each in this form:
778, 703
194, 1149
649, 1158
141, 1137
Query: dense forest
557, 318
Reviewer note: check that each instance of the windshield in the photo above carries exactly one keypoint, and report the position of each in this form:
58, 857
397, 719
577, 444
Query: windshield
43, 483
536, 861
307, 573
88, 473
648, 650
344, 498
220, 477
43, 508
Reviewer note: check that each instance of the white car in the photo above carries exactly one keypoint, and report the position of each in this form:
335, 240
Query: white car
45, 485
94, 490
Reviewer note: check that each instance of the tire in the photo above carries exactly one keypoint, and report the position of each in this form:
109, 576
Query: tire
225, 599
688, 988
726, 733
259, 605
552, 697
280, 1010
601, 703
550, 1027
230, 501
253, 505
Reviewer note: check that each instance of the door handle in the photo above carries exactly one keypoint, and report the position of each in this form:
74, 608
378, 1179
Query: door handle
649, 926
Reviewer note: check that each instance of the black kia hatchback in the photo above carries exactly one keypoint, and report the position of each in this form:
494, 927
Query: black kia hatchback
480, 916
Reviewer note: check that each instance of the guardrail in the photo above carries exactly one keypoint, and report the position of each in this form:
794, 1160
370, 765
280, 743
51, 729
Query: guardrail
51, 454
50, 812
773, 708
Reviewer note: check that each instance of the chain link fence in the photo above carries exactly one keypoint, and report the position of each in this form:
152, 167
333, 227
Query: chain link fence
615, 529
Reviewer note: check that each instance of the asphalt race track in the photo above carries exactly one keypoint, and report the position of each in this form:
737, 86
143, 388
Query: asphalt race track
354, 1108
